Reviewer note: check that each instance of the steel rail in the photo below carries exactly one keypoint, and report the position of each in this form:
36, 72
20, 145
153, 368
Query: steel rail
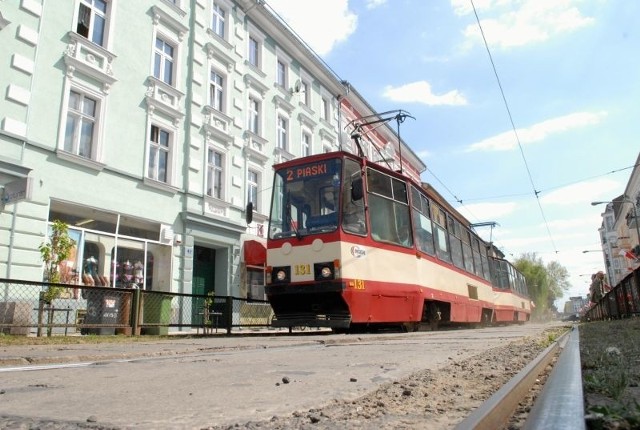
496, 410
561, 401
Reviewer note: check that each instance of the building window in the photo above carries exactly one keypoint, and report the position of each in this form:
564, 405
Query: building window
159, 150
163, 61
216, 91
218, 22
255, 281
81, 127
306, 144
306, 93
253, 183
254, 52
215, 172
283, 132
325, 109
92, 20
281, 74
254, 116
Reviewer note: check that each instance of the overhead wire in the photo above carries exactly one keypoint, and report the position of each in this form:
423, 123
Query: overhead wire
523, 194
536, 193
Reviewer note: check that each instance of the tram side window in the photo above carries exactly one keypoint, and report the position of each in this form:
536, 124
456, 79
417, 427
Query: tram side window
388, 209
423, 232
455, 242
477, 260
466, 251
353, 220
439, 221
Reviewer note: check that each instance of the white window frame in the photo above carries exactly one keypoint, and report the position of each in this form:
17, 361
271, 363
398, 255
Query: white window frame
217, 19
254, 115
282, 132
96, 136
325, 108
306, 143
156, 147
163, 58
217, 90
93, 11
256, 36
253, 188
215, 174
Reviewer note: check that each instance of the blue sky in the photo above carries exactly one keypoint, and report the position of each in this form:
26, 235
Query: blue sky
568, 133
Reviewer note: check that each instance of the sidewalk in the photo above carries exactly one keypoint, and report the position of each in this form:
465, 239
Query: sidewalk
180, 343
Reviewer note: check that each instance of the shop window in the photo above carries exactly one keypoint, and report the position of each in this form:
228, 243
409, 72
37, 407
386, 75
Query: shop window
255, 287
130, 271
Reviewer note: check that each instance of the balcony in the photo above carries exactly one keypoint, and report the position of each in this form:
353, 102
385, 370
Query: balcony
164, 98
90, 59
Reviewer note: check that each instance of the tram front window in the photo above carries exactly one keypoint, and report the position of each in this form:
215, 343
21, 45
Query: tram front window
305, 198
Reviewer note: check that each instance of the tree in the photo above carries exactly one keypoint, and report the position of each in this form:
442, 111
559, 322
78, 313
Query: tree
53, 253
546, 283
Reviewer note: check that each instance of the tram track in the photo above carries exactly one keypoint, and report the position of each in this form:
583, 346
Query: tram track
558, 404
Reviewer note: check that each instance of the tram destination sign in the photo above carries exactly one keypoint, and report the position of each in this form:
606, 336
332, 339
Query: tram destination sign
308, 170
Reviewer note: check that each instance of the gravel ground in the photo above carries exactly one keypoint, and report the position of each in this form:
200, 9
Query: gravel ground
610, 355
425, 400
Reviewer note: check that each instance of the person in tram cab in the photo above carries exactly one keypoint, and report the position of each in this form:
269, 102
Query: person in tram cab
328, 204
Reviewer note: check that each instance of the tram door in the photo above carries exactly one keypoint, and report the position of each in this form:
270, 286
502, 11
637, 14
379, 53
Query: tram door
204, 270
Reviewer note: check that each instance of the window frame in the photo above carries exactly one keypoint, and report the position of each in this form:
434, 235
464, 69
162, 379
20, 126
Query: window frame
167, 41
217, 20
96, 135
217, 89
93, 12
254, 115
254, 177
306, 144
215, 173
156, 146
282, 132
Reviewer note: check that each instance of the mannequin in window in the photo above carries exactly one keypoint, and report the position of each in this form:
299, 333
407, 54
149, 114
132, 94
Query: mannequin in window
138, 273
127, 272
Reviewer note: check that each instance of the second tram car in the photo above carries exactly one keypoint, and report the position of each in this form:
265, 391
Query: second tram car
352, 243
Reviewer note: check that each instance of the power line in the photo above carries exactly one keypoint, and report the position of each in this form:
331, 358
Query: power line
543, 190
513, 126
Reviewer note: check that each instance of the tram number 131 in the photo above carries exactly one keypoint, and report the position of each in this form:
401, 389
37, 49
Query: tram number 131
302, 269
358, 284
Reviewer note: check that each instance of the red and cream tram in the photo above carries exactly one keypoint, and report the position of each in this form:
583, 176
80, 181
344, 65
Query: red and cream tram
352, 244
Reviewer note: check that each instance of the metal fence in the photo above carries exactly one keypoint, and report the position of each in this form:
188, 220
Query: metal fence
621, 302
81, 310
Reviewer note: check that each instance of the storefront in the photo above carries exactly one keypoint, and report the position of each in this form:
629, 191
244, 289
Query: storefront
114, 250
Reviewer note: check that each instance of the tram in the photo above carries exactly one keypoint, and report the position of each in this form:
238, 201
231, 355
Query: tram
355, 244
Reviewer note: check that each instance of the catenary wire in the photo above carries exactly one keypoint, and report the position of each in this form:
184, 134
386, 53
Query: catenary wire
513, 127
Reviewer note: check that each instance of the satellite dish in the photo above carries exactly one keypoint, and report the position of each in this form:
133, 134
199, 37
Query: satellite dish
296, 87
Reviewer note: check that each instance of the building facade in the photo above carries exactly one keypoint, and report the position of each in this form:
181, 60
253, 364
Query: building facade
620, 230
147, 126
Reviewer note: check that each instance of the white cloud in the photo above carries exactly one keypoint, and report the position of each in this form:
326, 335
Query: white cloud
309, 20
486, 211
421, 92
372, 4
509, 23
537, 132
583, 192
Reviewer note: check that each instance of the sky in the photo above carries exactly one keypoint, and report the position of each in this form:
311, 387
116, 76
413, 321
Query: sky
524, 130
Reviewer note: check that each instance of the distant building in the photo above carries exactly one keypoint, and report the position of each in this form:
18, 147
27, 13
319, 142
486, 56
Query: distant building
575, 305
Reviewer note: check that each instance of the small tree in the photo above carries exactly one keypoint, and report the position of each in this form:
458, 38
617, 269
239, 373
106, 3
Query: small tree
53, 254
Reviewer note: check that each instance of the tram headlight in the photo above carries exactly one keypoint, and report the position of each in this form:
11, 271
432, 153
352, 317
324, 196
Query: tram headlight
324, 271
280, 275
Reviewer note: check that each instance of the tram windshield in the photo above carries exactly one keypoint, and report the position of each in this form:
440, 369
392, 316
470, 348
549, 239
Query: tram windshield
305, 199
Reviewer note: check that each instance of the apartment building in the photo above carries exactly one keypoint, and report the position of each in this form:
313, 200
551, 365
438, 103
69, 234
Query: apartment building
147, 126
